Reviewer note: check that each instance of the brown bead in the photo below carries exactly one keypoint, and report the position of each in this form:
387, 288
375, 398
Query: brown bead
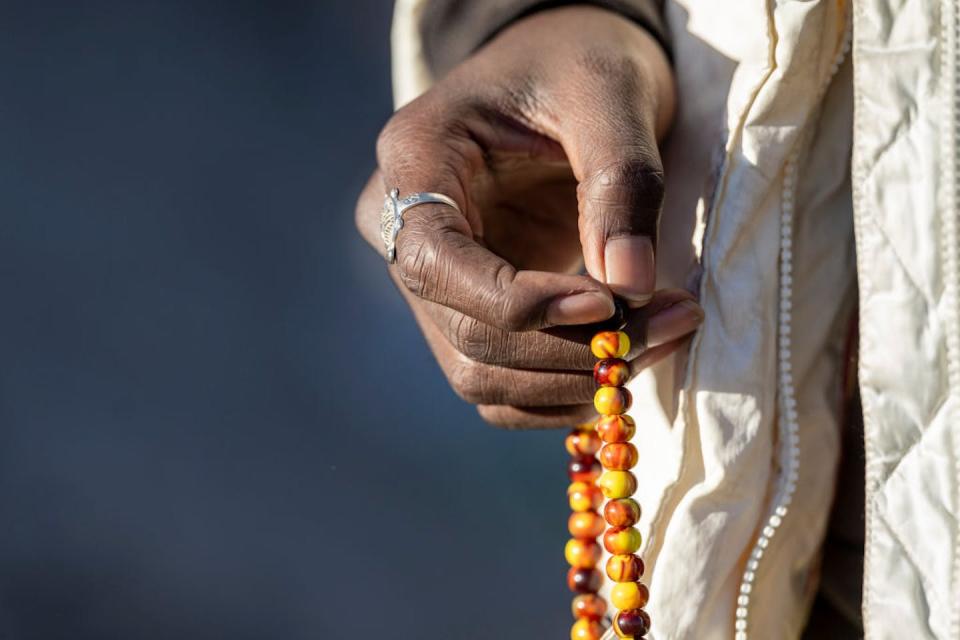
632, 623
616, 428
589, 606
584, 580
624, 512
584, 469
627, 567
583, 442
611, 372
585, 525
620, 456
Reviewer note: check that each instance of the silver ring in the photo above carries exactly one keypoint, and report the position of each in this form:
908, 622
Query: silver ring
391, 217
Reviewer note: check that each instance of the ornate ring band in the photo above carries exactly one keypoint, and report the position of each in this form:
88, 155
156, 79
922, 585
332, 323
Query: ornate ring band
391, 217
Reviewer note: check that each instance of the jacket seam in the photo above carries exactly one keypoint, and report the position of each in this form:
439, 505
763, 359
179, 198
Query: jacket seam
859, 170
687, 407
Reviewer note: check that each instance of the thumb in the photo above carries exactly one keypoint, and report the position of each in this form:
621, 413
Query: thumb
619, 201
613, 117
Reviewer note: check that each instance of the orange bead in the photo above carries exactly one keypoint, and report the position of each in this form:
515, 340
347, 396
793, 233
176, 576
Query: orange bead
589, 606
582, 442
625, 568
622, 541
584, 496
619, 456
586, 630
586, 525
616, 428
583, 554
612, 400
610, 344
624, 512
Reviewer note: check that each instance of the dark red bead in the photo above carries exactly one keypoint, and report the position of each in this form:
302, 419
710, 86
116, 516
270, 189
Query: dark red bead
584, 580
584, 469
633, 623
611, 372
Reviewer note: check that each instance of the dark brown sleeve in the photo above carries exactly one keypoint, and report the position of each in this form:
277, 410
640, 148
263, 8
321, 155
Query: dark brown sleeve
453, 29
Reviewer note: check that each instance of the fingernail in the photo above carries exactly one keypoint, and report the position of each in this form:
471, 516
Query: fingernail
580, 308
674, 322
630, 268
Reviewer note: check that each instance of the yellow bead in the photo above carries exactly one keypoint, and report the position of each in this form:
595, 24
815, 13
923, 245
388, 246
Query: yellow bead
629, 595
584, 629
612, 400
622, 541
582, 554
617, 484
584, 496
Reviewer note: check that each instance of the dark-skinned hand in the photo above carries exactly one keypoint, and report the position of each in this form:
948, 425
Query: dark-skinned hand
547, 139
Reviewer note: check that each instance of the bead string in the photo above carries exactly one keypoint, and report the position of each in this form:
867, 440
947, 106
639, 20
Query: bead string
617, 484
585, 525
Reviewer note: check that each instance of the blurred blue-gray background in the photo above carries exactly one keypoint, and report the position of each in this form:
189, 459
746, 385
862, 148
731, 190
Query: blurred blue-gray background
217, 419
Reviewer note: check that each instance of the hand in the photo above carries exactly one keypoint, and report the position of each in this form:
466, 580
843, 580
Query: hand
547, 138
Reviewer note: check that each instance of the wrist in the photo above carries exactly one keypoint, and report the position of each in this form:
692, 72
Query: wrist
452, 30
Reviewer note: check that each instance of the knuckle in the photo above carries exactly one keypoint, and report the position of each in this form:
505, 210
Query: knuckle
467, 382
475, 340
514, 317
606, 65
514, 312
504, 417
415, 256
398, 128
420, 261
495, 417
640, 177
626, 195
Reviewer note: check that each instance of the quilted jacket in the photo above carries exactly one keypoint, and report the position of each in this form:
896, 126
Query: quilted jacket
812, 181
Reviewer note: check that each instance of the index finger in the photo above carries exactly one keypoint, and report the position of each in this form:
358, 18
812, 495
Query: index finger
438, 261
429, 147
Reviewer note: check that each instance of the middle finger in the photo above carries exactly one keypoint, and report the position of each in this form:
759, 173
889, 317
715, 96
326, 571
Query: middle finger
672, 314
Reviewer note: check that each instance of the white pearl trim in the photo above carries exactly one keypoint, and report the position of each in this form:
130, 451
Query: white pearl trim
788, 426
950, 185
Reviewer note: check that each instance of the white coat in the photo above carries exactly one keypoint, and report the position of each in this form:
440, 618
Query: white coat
814, 156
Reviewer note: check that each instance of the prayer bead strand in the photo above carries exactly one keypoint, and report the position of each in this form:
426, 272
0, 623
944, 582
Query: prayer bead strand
617, 456
586, 524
